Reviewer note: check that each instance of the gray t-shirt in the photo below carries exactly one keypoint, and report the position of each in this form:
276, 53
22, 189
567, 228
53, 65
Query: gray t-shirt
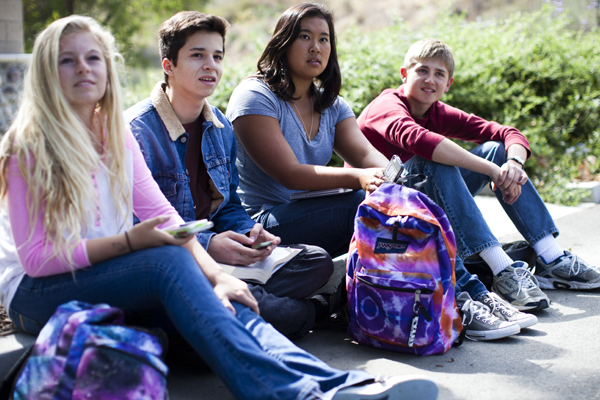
257, 190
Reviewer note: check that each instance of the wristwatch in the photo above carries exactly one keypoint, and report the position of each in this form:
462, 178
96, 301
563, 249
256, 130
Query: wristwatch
518, 159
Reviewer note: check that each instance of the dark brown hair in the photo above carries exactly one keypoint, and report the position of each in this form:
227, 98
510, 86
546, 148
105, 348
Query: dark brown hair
174, 32
272, 65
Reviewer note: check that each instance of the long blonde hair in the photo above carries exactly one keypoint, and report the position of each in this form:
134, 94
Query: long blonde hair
47, 129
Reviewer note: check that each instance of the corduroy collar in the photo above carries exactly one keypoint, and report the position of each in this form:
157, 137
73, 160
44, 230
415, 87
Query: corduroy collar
167, 114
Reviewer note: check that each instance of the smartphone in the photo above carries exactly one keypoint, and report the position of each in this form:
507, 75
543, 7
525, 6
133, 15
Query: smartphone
262, 245
394, 169
190, 228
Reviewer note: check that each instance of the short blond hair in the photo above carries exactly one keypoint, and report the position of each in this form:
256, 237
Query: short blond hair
430, 48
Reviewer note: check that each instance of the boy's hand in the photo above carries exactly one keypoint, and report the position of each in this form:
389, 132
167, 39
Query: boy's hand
231, 248
258, 235
509, 180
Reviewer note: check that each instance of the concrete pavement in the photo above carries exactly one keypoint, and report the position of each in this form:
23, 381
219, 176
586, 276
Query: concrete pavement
555, 359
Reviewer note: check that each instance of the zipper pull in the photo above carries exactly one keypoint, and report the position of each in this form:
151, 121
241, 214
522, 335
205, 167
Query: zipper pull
417, 301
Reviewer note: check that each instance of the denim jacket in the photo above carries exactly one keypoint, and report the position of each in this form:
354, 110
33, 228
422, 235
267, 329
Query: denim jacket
163, 141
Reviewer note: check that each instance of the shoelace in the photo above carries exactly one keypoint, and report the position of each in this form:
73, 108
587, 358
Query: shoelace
525, 279
495, 303
476, 310
575, 260
581, 267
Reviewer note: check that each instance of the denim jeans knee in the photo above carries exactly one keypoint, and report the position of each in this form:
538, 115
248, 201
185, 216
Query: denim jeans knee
447, 188
491, 151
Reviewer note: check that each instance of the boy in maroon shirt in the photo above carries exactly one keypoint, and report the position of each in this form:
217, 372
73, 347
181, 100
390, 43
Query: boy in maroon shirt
414, 124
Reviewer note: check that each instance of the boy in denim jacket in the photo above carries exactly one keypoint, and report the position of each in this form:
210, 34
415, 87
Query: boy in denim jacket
190, 148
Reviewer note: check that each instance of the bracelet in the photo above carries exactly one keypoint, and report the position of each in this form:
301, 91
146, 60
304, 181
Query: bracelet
128, 242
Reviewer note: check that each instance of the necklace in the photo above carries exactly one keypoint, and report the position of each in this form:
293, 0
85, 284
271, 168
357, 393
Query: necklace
312, 116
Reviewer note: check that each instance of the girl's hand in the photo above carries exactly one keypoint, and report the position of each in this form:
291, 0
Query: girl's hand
146, 235
370, 179
228, 289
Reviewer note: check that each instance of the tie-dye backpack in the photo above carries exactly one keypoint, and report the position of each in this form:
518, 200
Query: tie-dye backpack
84, 352
400, 274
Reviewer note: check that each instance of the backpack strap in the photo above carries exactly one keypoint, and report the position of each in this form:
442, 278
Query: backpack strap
395, 231
134, 352
66, 382
461, 337
403, 179
73, 342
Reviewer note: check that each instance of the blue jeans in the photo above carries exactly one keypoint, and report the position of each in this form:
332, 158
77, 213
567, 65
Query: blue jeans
453, 188
327, 222
249, 355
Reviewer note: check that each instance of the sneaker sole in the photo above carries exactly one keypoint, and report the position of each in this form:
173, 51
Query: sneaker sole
531, 306
401, 387
554, 283
493, 334
540, 305
527, 322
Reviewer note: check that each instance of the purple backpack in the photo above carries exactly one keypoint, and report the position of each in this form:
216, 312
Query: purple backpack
84, 352
400, 274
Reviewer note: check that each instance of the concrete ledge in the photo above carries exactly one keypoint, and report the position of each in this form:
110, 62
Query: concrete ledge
592, 188
15, 58
11, 348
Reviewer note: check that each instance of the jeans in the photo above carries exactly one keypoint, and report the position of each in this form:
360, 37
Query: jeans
453, 188
249, 355
327, 222
282, 300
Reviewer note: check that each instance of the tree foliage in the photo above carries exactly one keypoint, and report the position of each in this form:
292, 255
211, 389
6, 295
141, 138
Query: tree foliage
124, 18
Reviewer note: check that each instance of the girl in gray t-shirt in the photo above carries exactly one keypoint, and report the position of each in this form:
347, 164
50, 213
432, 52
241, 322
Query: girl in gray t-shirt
288, 120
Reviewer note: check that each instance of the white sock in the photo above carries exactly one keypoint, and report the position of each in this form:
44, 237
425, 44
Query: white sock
548, 249
496, 258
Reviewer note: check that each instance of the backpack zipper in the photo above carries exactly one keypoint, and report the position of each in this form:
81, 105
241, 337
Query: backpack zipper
378, 286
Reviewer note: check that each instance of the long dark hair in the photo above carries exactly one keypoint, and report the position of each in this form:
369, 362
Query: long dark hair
272, 66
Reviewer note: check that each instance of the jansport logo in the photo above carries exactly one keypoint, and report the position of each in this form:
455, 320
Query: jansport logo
389, 246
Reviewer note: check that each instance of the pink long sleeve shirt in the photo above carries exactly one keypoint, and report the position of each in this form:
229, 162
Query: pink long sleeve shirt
388, 124
20, 256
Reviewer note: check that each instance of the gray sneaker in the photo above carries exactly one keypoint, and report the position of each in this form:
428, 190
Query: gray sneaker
517, 285
391, 388
567, 272
503, 310
480, 323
